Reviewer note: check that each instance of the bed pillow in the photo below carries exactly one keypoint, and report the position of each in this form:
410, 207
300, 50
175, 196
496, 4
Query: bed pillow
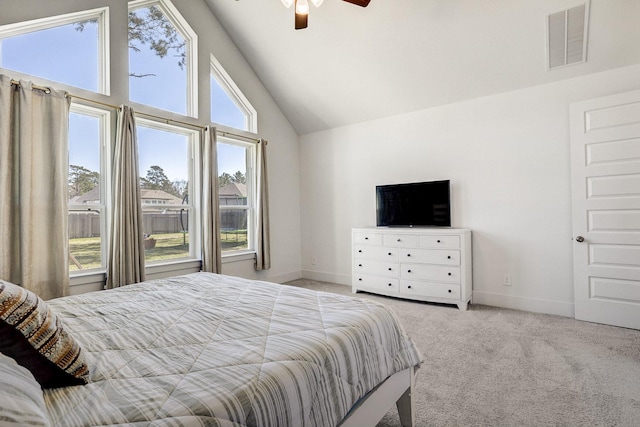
22, 402
34, 336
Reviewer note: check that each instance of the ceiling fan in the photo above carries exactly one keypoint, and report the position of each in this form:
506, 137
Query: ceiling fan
302, 9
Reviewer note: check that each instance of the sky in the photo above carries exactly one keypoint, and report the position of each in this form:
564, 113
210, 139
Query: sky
45, 54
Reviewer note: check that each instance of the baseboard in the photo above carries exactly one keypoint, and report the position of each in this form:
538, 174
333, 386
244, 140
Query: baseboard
286, 277
527, 304
341, 279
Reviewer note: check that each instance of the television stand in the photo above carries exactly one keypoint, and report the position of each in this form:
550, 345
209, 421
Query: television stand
423, 264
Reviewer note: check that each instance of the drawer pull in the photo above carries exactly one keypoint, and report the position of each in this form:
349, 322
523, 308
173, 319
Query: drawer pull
360, 279
389, 268
408, 271
409, 287
390, 284
359, 251
366, 238
408, 254
448, 274
438, 241
359, 265
449, 257
389, 253
449, 290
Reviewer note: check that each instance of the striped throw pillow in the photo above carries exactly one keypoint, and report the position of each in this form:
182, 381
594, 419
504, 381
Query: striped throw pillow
34, 336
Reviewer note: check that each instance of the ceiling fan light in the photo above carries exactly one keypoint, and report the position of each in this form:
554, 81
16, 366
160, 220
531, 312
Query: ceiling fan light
302, 7
287, 3
317, 3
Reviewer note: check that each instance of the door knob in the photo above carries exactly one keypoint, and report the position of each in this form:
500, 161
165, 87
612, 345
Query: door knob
579, 239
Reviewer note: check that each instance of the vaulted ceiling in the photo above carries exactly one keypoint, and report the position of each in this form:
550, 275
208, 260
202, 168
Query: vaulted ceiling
355, 64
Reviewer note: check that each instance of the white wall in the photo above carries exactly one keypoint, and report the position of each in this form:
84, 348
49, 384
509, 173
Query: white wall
283, 145
508, 159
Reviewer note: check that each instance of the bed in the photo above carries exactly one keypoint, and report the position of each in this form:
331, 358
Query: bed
212, 350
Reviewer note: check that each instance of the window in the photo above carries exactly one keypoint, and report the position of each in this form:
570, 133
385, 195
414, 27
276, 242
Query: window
236, 160
162, 60
166, 181
72, 52
88, 135
229, 106
41, 48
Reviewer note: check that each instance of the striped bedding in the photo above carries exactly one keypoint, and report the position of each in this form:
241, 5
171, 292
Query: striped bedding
213, 350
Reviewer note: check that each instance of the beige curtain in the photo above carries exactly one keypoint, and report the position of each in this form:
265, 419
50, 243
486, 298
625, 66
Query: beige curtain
263, 245
34, 157
126, 241
211, 258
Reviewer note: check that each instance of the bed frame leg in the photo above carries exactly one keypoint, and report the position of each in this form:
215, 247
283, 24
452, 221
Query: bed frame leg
406, 404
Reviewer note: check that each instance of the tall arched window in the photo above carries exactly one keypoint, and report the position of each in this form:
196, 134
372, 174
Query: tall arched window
229, 106
162, 58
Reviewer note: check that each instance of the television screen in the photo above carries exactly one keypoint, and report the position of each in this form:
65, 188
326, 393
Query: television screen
419, 204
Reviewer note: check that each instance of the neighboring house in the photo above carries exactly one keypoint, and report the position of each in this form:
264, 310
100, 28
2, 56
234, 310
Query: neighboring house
156, 199
151, 199
233, 193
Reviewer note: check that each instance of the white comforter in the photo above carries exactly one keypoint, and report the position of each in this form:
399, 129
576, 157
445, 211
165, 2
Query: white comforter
213, 350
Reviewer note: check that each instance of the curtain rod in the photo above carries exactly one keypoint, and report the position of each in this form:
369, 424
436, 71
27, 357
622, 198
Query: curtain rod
153, 116
42, 88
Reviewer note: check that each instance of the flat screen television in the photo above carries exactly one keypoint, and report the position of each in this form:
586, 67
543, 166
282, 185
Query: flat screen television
418, 204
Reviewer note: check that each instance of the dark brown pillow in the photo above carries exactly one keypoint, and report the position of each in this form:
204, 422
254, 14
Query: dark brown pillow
34, 336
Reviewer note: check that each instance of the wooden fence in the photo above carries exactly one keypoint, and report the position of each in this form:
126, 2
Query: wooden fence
87, 224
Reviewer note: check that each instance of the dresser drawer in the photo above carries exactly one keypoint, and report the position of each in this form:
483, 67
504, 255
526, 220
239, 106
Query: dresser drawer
400, 240
363, 281
430, 256
376, 268
426, 289
440, 242
380, 253
367, 238
435, 273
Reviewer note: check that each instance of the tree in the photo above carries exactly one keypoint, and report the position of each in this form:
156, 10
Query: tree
156, 179
226, 178
180, 187
150, 27
239, 178
82, 180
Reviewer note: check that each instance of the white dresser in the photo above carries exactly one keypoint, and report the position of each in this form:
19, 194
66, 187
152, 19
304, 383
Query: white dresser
425, 264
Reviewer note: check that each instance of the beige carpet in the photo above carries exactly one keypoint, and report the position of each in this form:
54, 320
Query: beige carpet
498, 367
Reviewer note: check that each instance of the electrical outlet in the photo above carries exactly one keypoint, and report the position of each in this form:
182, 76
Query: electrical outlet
506, 280
313, 260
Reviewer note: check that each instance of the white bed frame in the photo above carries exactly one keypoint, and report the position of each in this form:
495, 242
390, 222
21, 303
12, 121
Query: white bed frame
398, 389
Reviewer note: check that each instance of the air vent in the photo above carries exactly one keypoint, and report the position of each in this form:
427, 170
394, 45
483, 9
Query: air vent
567, 36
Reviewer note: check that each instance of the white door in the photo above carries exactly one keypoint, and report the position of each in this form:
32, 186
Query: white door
605, 163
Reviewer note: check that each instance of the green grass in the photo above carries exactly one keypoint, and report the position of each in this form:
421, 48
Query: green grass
86, 251
168, 246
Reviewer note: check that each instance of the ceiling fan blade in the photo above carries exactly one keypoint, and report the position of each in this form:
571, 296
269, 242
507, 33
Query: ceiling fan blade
301, 21
363, 3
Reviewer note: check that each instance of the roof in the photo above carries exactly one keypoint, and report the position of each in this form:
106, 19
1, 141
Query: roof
233, 189
93, 196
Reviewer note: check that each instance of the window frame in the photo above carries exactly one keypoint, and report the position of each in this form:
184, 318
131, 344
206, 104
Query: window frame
235, 94
102, 16
193, 189
252, 182
191, 51
105, 118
